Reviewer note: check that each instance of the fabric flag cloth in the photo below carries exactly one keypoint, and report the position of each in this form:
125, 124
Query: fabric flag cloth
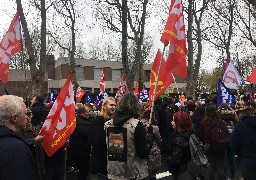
103, 96
127, 90
226, 63
88, 98
164, 80
145, 93
141, 97
102, 82
120, 91
97, 101
252, 77
136, 89
61, 120
231, 77
225, 95
79, 93
10, 45
52, 96
174, 35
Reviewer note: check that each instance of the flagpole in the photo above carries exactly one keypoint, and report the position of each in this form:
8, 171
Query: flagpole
153, 99
175, 83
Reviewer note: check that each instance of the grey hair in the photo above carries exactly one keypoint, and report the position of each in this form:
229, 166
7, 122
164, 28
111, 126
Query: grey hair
9, 105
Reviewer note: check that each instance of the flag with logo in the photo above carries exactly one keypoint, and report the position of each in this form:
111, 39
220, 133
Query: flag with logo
97, 101
231, 77
120, 91
224, 95
52, 96
174, 35
164, 80
61, 120
141, 97
88, 98
102, 82
145, 93
79, 93
10, 45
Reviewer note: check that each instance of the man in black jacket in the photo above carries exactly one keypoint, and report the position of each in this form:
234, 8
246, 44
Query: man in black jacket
79, 141
16, 160
97, 140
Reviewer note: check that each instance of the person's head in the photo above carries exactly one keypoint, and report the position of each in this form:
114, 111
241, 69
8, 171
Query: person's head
128, 104
191, 105
13, 112
37, 99
84, 111
211, 112
108, 108
182, 122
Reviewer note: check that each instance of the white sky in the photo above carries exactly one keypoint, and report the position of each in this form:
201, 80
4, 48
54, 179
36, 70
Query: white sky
8, 9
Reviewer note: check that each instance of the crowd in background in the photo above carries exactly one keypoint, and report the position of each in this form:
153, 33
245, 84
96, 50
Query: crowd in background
123, 139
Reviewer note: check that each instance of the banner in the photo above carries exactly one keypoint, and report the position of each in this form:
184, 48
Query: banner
231, 77
174, 35
10, 45
102, 82
224, 95
61, 120
79, 93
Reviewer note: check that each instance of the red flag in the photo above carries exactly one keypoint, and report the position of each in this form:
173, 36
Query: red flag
226, 63
127, 89
102, 82
61, 120
79, 94
120, 91
252, 77
174, 35
136, 90
164, 80
10, 44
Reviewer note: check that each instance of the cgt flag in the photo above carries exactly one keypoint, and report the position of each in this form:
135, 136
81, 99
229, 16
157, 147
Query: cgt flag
10, 45
79, 93
61, 120
164, 80
231, 77
224, 95
174, 35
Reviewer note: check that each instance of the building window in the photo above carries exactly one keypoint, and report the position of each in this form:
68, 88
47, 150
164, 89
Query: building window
116, 74
97, 74
79, 73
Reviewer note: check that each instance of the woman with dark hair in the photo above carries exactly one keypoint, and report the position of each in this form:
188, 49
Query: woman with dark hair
216, 157
128, 142
179, 151
197, 117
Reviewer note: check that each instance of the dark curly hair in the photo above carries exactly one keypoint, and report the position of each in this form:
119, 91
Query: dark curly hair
128, 104
211, 113
183, 121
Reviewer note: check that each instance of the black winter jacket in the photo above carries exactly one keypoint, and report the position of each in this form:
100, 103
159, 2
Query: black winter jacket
97, 142
16, 160
40, 113
179, 153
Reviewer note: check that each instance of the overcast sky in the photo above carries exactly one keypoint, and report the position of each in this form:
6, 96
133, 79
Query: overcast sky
8, 10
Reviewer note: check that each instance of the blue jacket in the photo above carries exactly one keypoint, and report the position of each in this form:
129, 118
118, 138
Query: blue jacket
16, 160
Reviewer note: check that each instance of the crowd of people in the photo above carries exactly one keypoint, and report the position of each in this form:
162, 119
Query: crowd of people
123, 139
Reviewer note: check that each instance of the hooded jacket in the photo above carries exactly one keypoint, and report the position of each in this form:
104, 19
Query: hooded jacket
243, 138
16, 160
139, 145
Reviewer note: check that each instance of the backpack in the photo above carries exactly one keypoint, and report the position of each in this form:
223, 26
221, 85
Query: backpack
219, 137
198, 164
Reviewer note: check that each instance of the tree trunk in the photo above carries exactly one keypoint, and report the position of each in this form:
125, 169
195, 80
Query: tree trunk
37, 78
72, 54
190, 79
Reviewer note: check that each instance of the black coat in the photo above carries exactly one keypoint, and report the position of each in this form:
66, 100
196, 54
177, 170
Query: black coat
16, 160
40, 113
79, 139
179, 153
97, 141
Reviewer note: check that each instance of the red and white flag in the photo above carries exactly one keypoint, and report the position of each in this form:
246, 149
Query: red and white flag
120, 91
174, 35
61, 120
102, 82
79, 93
10, 44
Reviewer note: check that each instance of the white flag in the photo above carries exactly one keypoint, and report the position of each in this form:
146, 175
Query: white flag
231, 78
